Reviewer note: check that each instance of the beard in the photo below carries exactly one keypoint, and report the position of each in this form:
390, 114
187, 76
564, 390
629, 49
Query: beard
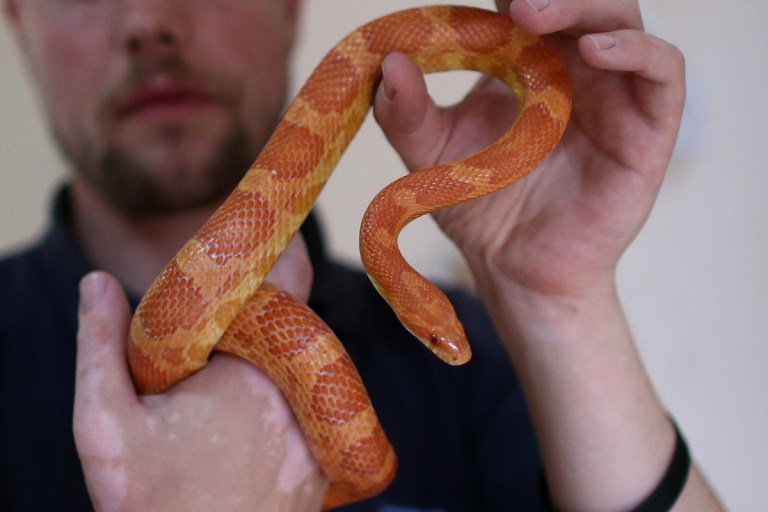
139, 187
132, 187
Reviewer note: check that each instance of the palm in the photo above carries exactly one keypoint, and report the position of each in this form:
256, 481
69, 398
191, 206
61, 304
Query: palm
576, 213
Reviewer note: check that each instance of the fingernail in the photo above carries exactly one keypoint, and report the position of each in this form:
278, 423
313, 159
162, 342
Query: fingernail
538, 5
92, 288
602, 41
389, 91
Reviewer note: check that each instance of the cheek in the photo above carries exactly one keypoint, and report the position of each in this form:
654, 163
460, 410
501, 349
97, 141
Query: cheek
71, 74
255, 52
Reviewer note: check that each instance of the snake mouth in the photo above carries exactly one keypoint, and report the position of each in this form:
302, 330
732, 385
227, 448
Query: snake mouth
452, 350
451, 346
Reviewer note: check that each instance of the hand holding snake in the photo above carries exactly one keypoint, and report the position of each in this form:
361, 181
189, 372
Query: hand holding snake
513, 207
546, 233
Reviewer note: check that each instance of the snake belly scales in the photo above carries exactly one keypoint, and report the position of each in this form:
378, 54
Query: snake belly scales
212, 294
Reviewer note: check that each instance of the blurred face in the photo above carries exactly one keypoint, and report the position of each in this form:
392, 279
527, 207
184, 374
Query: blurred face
160, 105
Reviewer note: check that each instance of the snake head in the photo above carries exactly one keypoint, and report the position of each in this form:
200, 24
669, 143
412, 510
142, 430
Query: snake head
453, 350
443, 335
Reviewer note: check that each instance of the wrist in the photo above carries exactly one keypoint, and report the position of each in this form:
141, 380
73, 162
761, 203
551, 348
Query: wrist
592, 406
534, 310
535, 271
669, 487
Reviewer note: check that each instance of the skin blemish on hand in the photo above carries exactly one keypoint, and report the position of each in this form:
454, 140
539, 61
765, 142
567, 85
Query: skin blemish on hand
106, 453
297, 464
297, 461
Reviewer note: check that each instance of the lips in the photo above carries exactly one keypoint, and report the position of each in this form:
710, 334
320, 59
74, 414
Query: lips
164, 101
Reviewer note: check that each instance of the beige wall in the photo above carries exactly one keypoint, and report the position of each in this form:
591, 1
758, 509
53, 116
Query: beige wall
695, 284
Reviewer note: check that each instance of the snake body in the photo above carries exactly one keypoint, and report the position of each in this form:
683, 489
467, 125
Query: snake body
212, 294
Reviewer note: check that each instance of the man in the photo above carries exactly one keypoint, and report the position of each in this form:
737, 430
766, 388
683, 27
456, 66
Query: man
160, 104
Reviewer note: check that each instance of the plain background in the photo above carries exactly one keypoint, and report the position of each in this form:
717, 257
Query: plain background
694, 284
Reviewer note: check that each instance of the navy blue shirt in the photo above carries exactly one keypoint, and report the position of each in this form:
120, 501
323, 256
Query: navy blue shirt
462, 435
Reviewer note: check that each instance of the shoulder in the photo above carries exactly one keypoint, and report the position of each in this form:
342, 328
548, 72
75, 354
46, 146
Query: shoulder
20, 278
39, 288
19, 271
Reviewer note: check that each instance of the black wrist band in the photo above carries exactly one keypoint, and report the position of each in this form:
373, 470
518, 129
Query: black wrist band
666, 493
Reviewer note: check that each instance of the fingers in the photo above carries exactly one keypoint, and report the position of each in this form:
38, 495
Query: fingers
503, 5
548, 16
611, 38
633, 51
293, 271
232, 376
102, 373
660, 64
104, 397
411, 121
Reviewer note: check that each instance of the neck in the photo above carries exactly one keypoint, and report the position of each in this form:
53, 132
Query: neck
133, 249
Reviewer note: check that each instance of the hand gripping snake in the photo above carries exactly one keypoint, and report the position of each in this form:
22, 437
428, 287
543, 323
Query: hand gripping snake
212, 293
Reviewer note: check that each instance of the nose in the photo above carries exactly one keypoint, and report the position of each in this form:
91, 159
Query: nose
150, 42
150, 27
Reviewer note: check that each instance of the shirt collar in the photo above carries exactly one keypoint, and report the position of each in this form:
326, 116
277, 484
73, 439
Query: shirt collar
62, 253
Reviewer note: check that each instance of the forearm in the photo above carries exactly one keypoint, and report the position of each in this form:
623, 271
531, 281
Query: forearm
543, 250
605, 437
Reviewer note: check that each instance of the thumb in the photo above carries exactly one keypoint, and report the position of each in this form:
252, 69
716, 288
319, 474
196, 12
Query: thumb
102, 379
411, 121
104, 397
293, 270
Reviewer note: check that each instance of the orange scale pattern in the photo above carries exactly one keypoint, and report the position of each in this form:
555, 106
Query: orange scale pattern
212, 295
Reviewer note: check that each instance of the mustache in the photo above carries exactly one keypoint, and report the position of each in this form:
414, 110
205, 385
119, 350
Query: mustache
171, 69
